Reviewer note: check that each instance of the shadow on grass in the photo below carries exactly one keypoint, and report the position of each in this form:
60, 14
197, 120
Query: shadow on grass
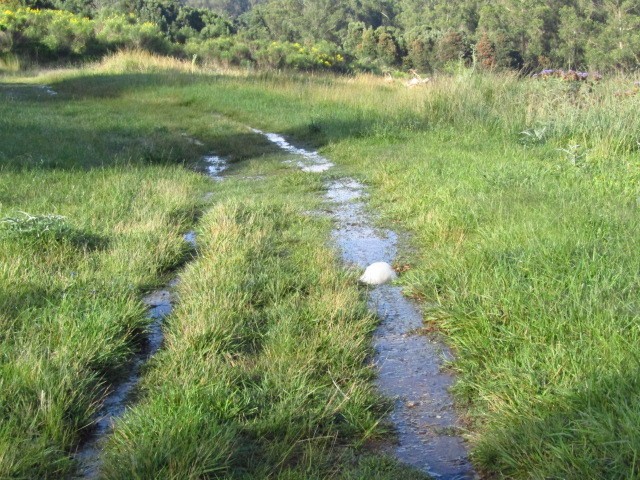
37, 133
591, 432
20, 298
151, 131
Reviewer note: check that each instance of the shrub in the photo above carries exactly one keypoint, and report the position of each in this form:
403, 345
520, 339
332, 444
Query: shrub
120, 31
279, 55
485, 53
226, 51
452, 47
46, 34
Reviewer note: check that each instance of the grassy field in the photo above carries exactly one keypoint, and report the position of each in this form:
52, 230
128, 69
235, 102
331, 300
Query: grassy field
521, 198
263, 372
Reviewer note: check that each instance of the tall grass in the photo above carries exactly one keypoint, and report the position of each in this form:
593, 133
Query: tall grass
264, 365
87, 225
263, 371
521, 200
525, 242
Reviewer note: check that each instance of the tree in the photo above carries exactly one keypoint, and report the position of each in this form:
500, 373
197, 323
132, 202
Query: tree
485, 53
452, 47
620, 35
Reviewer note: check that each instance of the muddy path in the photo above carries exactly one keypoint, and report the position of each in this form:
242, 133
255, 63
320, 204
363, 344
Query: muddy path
410, 365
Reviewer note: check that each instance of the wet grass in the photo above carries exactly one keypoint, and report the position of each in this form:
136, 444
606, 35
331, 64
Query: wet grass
88, 224
264, 370
263, 374
521, 198
527, 244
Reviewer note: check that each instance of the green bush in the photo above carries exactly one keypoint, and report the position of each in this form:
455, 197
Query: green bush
125, 31
322, 56
226, 51
47, 34
51, 35
233, 51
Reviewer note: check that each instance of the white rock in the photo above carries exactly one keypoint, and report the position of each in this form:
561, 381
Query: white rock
378, 273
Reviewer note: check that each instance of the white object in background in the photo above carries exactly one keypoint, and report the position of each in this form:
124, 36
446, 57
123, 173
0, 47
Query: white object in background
378, 273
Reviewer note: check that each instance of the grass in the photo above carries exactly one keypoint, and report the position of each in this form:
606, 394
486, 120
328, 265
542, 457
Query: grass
521, 200
92, 221
263, 374
103, 223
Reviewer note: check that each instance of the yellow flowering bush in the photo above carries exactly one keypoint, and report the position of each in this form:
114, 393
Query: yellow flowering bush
46, 34
299, 57
117, 31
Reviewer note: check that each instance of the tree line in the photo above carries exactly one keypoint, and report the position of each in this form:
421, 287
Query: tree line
425, 35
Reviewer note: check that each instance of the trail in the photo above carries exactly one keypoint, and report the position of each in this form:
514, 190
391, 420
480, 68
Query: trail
159, 305
409, 364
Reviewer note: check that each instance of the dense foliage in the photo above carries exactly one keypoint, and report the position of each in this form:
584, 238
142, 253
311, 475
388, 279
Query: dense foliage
366, 34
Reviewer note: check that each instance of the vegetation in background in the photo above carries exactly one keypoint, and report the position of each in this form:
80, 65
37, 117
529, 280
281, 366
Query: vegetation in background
371, 35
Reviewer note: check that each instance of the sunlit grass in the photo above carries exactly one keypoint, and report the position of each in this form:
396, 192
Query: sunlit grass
264, 367
521, 200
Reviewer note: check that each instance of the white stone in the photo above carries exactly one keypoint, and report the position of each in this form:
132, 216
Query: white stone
378, 273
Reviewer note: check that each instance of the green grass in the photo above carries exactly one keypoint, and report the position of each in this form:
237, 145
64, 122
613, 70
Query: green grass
263, 374
524, 245
264, 368
106, 225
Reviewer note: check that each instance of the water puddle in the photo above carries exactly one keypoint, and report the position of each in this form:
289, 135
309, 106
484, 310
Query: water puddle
24, 91
190, 238
191, 140
310, 161
409, 364
215, 166
48, 90
159, 305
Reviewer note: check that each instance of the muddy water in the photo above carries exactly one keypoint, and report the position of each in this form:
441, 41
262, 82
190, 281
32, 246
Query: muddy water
409, 364
159, 305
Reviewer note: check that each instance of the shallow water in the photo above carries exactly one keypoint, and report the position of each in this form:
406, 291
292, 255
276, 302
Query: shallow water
215, 166
309, 161
48, 90
24, 91
159, 305
409, 364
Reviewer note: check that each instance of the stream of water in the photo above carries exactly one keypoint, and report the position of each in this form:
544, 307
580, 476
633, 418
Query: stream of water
409, 364
159, 305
